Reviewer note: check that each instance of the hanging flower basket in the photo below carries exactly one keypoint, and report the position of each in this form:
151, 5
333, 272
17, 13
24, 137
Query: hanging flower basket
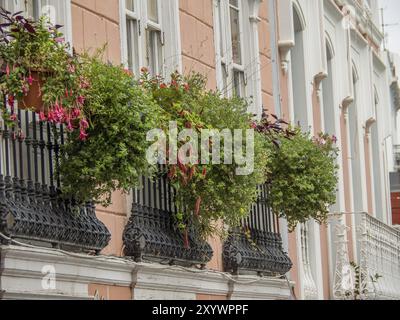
39, 73
33, 99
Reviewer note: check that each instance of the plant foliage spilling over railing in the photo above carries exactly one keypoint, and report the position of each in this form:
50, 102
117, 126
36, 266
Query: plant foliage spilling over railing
152, 233
31, 208
257, 245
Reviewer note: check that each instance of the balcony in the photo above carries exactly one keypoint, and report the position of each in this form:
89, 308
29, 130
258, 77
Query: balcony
151, 234
257, 245
377, 272
32, 209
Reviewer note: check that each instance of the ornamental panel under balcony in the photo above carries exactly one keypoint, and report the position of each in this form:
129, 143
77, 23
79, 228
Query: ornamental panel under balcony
31, 207
257, 245
151, 233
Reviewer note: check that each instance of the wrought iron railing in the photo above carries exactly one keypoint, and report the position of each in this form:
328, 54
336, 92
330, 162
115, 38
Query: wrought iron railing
376, 274
31, 207
151, 233
257, 245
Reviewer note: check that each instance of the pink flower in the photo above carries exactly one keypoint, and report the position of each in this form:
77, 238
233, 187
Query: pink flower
334, 139
42, 116
69, 126
13, 117
81, 100
84, 83
59, 40
186, 87
253, 125
66, 93
30, 79
84, 124
51, 116
83, 135
76, 113
144, 70
71, 68
8, 70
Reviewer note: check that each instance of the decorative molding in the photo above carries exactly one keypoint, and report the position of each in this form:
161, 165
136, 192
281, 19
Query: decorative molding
284, 50
21, 277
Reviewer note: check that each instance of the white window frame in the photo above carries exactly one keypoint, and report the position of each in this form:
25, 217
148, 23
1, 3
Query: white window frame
168, 26
249, 48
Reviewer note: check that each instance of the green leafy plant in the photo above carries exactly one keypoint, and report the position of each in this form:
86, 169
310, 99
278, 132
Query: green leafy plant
209, 195
113, 155
302, 174
36, 59
358, 292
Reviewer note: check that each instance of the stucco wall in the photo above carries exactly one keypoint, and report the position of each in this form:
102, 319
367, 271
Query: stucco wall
95, 23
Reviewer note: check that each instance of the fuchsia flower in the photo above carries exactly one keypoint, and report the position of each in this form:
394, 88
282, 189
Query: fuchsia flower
83, 135
81, 100
42, 116
59, 40
69, 125
186, 87
253, 125
51, 116
334, 139
30, 79
8, 70
13, 117
76, 113
84, 124
163, 86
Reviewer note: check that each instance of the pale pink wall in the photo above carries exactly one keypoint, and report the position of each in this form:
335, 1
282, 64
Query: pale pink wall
94, 24
264, 34
197, 38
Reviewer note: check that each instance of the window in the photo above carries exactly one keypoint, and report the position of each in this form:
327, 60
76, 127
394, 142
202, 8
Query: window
230, 47
237, 50
150, 36
58, 11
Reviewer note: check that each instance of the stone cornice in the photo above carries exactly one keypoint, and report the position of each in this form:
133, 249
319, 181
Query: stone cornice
21, 277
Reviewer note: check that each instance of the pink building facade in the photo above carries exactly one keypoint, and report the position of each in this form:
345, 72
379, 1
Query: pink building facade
316, 63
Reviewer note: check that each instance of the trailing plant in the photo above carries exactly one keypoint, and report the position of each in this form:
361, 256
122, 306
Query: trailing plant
113, 155
302, 174
206, 193
358, 292
36, 60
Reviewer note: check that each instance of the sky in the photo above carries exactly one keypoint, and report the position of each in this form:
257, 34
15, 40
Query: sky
392, 16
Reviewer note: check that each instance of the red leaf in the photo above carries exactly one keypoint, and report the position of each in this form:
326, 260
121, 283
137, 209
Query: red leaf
197, 207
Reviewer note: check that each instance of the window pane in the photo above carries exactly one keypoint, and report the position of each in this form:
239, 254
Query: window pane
154, 51
132, 44
238, 83
31, 7
152, 10
130, 5
235, 31
224, 80
234, 3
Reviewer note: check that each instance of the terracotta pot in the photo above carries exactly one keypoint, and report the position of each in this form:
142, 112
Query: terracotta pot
33, 99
